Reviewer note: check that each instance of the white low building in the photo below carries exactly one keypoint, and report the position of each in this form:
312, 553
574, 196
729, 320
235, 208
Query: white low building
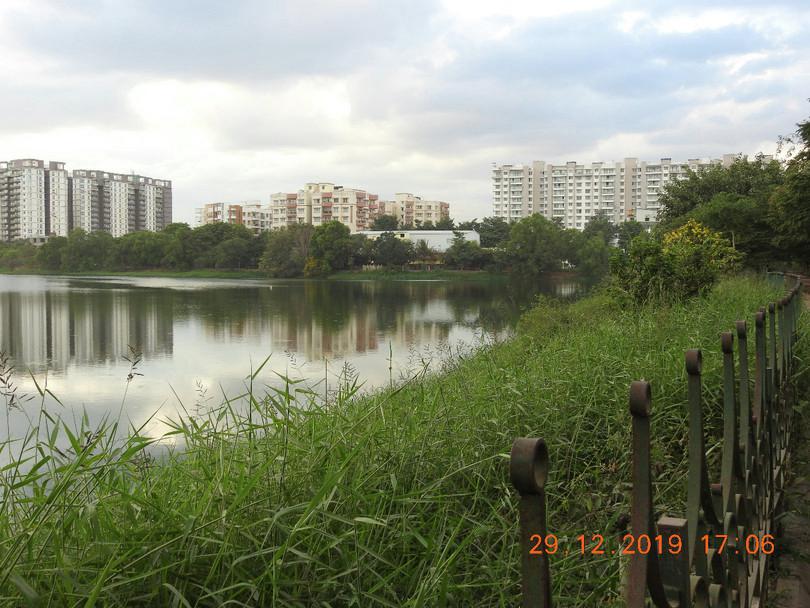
440, 240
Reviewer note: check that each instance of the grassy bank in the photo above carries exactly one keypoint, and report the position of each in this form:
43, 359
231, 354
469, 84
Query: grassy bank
400, 498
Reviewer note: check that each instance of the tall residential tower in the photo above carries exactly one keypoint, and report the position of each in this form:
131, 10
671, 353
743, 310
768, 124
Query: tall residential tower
573, 193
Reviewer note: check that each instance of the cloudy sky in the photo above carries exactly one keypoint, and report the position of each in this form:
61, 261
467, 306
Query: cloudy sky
235, 100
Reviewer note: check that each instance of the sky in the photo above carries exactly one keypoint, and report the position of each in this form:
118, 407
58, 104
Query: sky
236, 100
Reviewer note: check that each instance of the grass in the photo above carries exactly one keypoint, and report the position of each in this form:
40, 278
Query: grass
397, 498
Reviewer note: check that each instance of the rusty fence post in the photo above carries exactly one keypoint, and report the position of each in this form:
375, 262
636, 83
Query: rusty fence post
528, 469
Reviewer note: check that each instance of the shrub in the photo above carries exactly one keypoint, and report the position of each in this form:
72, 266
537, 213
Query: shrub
684, 263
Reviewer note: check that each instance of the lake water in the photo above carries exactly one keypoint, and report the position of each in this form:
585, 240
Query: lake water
199, 339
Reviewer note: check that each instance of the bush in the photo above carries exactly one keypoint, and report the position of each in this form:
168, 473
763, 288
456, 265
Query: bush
684, 263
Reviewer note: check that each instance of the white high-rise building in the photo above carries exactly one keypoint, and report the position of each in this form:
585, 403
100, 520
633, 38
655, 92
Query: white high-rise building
34, 199
573, 193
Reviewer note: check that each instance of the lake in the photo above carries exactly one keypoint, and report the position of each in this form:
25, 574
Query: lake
197, 340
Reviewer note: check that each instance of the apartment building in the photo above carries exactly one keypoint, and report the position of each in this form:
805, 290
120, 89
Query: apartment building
321, 202
118, 203
213, 213
256, 217
573, 193
251, 214
411, 210
34, 199
40, 199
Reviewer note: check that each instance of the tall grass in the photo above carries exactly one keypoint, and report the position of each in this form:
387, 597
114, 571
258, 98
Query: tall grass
398, 498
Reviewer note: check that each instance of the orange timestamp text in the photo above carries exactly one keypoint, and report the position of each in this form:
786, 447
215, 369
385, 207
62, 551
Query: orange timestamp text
594, 544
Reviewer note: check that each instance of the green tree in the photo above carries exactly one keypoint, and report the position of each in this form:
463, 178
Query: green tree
287, 250
600, 225
534, 246
178, 249
139, 250
332, 248
446, 223
423, 252
789, 211
494, 231
744, 178
385, 222
391, 251
88, 251
234, 252
466, 255
627, 231
50, 255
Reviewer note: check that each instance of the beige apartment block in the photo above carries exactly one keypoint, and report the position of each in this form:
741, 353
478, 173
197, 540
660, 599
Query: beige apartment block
573, 193
251, 214
321, 202
213, 213
411, 210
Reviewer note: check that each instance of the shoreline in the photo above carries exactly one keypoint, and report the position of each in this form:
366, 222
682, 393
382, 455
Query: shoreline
257, 275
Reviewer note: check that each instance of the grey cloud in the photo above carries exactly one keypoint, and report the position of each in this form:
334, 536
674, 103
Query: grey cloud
249, 40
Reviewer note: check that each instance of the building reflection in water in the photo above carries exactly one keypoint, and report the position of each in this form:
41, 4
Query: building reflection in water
49, 330
55, 323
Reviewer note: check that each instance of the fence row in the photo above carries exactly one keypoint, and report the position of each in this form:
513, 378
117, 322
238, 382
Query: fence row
718, 553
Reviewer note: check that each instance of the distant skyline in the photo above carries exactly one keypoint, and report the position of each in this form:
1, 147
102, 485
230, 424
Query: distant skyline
234, 101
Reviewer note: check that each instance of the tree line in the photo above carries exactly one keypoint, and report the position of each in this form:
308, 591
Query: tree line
530, 246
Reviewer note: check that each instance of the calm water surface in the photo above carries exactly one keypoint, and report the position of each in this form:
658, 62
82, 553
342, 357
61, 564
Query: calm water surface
199, 339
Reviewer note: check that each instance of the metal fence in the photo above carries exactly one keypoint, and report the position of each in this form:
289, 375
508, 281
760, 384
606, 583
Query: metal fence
719, 552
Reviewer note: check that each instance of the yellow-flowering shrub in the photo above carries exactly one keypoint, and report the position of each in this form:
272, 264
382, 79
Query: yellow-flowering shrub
685, 262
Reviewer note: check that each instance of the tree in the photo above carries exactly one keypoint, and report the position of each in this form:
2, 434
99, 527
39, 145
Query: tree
332, 248
391, 251
88, 251
424, 252
139, 250
178, 249
287, 251
600, 225
233, 253
465, 255
385, 222
494, 231
205, 239
446, 223
51, 253
594, 257
472, 224
627, 231
750, 178
789, 211
534, 246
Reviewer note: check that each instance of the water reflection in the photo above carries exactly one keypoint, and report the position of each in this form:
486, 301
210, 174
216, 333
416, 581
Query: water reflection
208, 332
